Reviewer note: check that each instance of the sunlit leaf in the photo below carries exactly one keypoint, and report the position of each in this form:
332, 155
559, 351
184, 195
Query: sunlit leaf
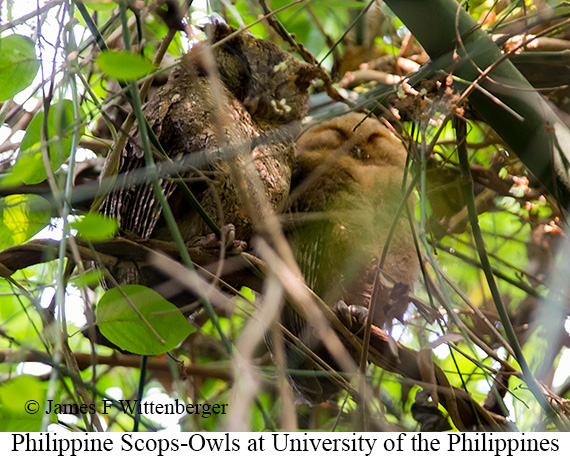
89, 278
18, 65
29, 168
123, 65
101, 5
95, 227
126, 328
22, 402
21, 217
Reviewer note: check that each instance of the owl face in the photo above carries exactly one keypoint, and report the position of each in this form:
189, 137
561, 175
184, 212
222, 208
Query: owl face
351, 154
356, 139
271, 83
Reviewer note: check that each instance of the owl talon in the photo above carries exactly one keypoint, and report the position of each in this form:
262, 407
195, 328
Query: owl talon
353, 317
251, 103
228, 233
342, 311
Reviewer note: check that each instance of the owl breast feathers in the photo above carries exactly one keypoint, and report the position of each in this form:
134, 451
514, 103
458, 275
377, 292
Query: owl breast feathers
347, 188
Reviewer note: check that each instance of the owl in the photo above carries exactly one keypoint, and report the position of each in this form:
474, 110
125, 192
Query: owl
250, 118
347, 187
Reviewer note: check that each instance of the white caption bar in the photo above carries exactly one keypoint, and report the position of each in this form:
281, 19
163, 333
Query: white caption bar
283, 443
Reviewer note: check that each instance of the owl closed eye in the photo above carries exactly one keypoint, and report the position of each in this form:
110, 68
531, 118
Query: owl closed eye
357, 136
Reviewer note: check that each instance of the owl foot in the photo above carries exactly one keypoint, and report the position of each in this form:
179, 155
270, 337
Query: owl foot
353, 317
228, 234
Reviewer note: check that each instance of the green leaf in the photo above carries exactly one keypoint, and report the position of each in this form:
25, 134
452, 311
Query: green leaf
87, 279
22, 402
124, 327
18, 65
247, 293
96, 227
101, 5
21, 217
123, 65
29, 168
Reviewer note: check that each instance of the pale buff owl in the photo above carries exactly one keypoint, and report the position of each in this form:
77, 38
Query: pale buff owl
347, 187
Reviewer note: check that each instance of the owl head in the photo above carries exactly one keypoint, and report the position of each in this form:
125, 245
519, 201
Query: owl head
271, 83
354, 138
354, 154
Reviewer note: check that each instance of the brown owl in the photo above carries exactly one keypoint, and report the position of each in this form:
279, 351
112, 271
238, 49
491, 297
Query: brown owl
346, 191
261, 96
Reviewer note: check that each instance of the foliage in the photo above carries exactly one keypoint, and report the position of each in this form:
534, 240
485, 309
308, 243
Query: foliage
61, 122
18, 65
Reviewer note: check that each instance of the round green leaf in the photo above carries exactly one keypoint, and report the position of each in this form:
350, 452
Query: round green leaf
18, 65
21, 217
96, 227
123, 65
129, 330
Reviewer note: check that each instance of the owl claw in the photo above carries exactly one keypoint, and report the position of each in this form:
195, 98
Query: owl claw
251, 103
342, 311
353, 317
228, 234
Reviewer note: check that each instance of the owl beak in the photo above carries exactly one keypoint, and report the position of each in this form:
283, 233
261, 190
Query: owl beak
251, 103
